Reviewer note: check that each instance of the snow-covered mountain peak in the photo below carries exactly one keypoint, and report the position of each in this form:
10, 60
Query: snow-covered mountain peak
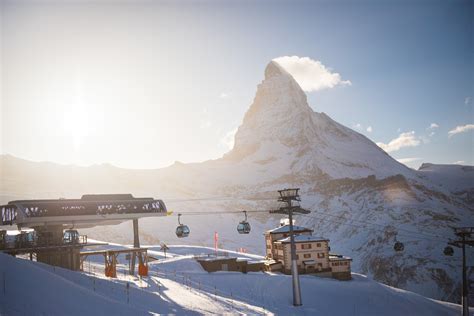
273, 69
279, 113
280, 127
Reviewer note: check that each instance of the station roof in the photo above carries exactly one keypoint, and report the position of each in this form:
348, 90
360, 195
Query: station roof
88, 211
286, 229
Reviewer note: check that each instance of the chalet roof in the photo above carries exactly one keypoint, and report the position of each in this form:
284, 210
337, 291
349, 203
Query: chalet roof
334, 257
286, 229
271, 262
303, 238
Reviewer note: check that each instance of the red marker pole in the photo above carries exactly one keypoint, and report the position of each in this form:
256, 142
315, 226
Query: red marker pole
216, 238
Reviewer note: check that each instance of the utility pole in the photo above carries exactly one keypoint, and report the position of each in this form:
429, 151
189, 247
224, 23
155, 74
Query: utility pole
287, 196
465, 235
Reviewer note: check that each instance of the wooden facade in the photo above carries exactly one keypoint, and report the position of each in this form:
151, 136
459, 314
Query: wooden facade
213, 264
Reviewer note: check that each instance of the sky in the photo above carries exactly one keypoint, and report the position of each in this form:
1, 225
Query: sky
141, 84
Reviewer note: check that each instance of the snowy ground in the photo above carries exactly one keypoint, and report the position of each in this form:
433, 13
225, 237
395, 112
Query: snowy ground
178, 285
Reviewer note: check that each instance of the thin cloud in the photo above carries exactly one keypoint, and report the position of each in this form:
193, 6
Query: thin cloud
459, 162
431, 131
311, 74
407, 139
369, 129
467, 100
408, 161
460, 129
411, 162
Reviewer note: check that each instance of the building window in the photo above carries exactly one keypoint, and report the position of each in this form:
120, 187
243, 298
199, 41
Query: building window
320, 255
318, 245
320, 265
307, 255
297, 257
306, 246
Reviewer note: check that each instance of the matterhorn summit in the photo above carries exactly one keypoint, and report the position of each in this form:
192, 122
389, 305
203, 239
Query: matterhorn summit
281, 128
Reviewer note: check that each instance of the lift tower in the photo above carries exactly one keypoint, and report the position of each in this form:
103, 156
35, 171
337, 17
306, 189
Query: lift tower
465, 235
287, 197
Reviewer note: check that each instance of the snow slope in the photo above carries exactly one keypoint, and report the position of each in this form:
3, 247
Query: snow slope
178, 285
455, 178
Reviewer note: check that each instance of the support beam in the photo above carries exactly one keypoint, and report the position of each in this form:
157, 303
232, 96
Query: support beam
294, 264
465, 234
60, 255
136, 244
465, 289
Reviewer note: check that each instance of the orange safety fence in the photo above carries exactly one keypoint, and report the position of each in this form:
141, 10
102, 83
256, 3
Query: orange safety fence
111, 271
142, 270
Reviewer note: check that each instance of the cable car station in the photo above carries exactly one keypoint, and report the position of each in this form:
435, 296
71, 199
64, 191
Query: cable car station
55, 240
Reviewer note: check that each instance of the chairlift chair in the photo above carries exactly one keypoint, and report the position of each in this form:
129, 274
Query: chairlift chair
244, 226
448, 251
182, 230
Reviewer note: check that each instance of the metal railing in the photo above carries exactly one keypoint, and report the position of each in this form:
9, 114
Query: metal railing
22, 241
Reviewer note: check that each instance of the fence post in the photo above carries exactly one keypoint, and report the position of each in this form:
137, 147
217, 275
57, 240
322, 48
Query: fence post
128, 293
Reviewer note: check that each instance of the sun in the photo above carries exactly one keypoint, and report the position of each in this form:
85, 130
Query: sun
76, 124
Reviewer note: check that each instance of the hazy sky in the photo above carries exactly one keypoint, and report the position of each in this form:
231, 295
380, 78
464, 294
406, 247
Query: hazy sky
142, 84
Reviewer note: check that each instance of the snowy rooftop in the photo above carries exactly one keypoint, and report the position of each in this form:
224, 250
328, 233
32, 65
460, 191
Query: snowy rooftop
303, 238
333, 257
286, 229
218, 258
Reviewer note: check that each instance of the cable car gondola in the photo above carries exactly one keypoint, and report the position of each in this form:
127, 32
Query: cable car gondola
448, 251
71, 236
182, 230
398, 247
244, 226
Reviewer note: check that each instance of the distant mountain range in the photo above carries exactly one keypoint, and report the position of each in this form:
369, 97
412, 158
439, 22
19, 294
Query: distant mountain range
360, 197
